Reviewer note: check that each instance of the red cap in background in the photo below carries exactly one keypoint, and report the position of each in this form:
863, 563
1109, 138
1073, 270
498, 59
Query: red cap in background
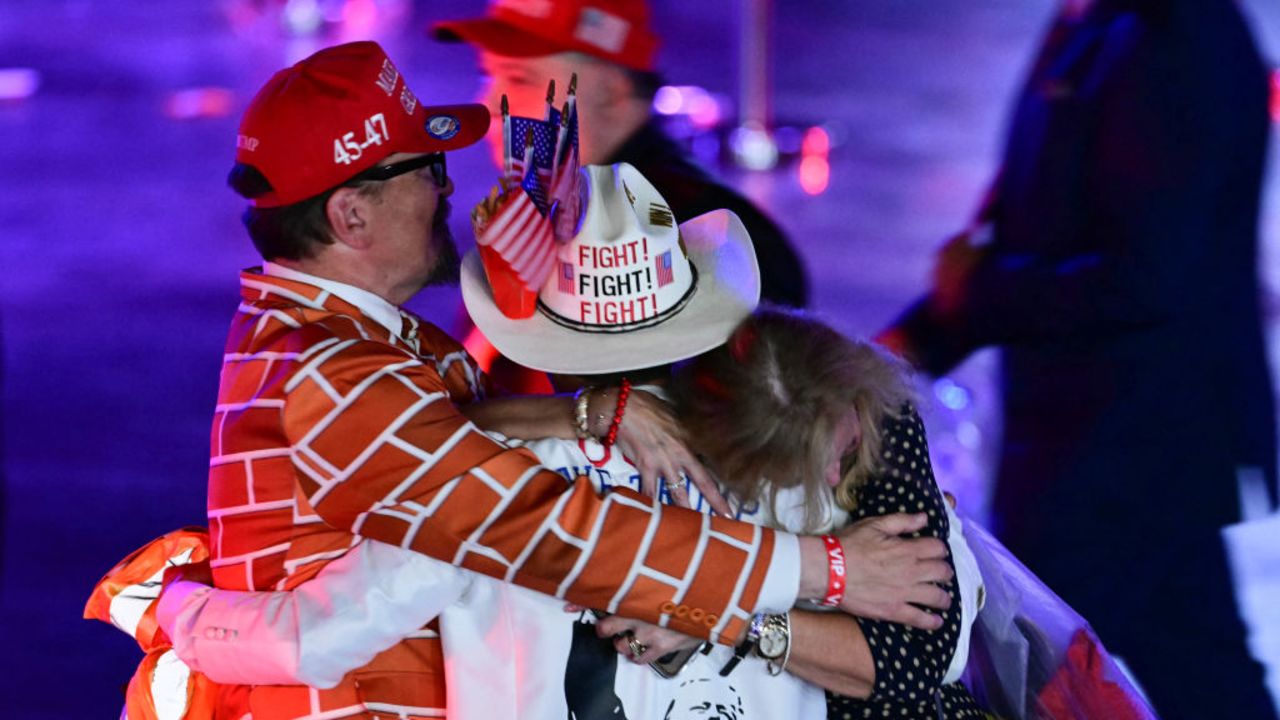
613, 30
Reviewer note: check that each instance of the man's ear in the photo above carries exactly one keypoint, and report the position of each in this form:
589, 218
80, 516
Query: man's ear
348, 214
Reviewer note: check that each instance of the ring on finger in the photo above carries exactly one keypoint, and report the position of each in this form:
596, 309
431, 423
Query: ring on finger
637, 648
672, 486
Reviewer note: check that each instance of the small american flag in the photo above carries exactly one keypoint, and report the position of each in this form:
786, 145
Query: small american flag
522, 236
572, 140
566, 279
565, 198
662, 266
536, 179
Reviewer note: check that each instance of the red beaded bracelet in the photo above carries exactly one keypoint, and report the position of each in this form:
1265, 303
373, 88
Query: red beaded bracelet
623, 393
835, 571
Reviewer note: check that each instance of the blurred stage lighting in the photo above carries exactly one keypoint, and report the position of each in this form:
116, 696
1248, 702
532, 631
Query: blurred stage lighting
702, 109
339, 20
703, 121
302, 17
951, 395
1275, 95
815, 163
201, 102
753, 148
18, 83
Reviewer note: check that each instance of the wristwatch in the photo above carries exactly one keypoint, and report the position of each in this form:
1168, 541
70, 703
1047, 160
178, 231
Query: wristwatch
774, 637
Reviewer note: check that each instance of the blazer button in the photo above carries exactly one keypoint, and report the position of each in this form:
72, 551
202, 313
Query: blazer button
711, 620
697, 615
682, 611
667, 608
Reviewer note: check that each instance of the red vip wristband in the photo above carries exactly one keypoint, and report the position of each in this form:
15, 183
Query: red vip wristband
835, 571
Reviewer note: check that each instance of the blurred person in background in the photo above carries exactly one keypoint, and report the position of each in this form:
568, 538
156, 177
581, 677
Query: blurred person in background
1120, 283
612, 47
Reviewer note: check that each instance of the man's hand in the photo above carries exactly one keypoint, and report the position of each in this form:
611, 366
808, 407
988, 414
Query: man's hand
199, 572
630, 635
885, 572
652, 439
895, 340
955, 262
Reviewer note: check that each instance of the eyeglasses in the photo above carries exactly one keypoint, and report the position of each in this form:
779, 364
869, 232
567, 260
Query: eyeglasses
381, 173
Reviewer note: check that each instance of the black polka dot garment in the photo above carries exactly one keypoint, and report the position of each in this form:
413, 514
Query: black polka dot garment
910, 663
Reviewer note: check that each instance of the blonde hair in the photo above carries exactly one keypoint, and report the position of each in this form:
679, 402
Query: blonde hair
763, 407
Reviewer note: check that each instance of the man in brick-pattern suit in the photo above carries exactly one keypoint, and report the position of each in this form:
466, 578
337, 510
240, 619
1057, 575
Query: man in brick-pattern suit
338, 414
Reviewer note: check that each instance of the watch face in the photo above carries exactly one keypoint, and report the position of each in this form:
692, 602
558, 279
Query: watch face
772, 644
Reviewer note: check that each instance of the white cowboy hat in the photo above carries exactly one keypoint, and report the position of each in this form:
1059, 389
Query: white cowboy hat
630, 291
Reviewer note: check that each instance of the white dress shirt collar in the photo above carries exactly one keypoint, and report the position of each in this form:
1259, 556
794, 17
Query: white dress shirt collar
374, 307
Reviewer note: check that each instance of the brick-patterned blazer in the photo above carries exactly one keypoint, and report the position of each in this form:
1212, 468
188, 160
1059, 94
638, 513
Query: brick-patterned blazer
328, 428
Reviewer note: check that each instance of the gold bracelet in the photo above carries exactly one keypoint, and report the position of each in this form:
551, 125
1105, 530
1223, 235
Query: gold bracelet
581, 399
600, 395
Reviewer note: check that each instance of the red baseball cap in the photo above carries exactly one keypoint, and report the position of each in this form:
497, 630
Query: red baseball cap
613, 30
317, 124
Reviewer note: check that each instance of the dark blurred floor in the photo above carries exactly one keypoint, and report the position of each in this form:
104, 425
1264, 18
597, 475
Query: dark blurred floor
121, 244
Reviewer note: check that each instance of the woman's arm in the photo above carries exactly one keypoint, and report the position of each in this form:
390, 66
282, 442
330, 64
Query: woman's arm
829, 650
525, 416
649, 434
909, 661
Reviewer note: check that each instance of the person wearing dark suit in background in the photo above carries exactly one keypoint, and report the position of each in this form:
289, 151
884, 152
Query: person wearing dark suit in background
1120, 283
613, 49
4, 482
